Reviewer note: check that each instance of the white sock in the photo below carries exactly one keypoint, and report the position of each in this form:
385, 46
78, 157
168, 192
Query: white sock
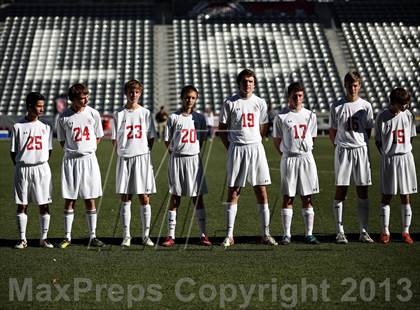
363, 212
68, 223
22, 222
125, 217
286, 220
406, 217
201, 219
385, 212
146, 215
171, 223
91, 219
44, 225
231, 210
264, 212
308, 219
338, 207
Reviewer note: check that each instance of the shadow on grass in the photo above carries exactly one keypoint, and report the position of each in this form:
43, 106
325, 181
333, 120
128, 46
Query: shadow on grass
194, 243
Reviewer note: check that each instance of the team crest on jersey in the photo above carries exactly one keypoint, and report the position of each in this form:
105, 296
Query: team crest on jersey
89, 121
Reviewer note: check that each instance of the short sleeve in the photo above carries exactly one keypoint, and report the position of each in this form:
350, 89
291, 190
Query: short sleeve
99, 132
50, 137
314, 127
413, 124
168, 127
263, 113
333, 120
151, 131
14, 141
370, 119
225, 113
61, 135
277, 132
378, 126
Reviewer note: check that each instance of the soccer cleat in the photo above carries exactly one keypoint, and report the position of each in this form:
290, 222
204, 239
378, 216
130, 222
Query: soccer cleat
64, 244
384, 238
95, 242
45, 244
406, 238
21, 244
147, 241
205, 241
126, 242
169, 242
365, 238
311, 239
341, 238
268, 240
228, 242
285, 240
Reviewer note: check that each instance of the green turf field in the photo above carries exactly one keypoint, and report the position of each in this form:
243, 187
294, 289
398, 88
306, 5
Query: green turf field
301, 276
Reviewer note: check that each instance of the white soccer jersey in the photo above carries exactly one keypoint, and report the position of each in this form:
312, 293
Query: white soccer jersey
296, 129
131, 129
79, 131
185, 132
395, 132
351, 119
31, 141
243, 118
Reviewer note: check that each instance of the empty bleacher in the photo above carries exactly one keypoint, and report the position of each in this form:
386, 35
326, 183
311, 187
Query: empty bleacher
49, 48
210, 54
383, 42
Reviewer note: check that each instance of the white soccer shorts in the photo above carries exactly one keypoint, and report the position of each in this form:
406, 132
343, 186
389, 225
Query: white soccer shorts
354, 161
247, 163
134, 175
186, 176
32, 183
81, 177
299, 175
398, 171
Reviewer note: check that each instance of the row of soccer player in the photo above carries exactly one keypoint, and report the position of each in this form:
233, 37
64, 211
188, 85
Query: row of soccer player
243, 121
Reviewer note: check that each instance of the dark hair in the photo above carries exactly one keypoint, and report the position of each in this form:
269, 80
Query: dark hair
32, 98
132, 84
187, 89
77, 90
294, 87
352, 76
246, 73
399, 96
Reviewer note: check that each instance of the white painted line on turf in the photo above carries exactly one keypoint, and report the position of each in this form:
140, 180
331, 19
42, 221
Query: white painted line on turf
108, 170
201, 184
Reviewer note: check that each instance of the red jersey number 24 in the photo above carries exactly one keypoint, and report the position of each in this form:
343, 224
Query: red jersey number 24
79, 134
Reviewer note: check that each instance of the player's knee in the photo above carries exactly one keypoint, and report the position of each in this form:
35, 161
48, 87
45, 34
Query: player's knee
144, 199
44, 209
405, 199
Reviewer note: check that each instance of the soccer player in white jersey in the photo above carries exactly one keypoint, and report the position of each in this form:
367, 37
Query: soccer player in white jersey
184, 134
351, 122
133, 134
31, 145
294, 129
79, 129
243, 121
395, 129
